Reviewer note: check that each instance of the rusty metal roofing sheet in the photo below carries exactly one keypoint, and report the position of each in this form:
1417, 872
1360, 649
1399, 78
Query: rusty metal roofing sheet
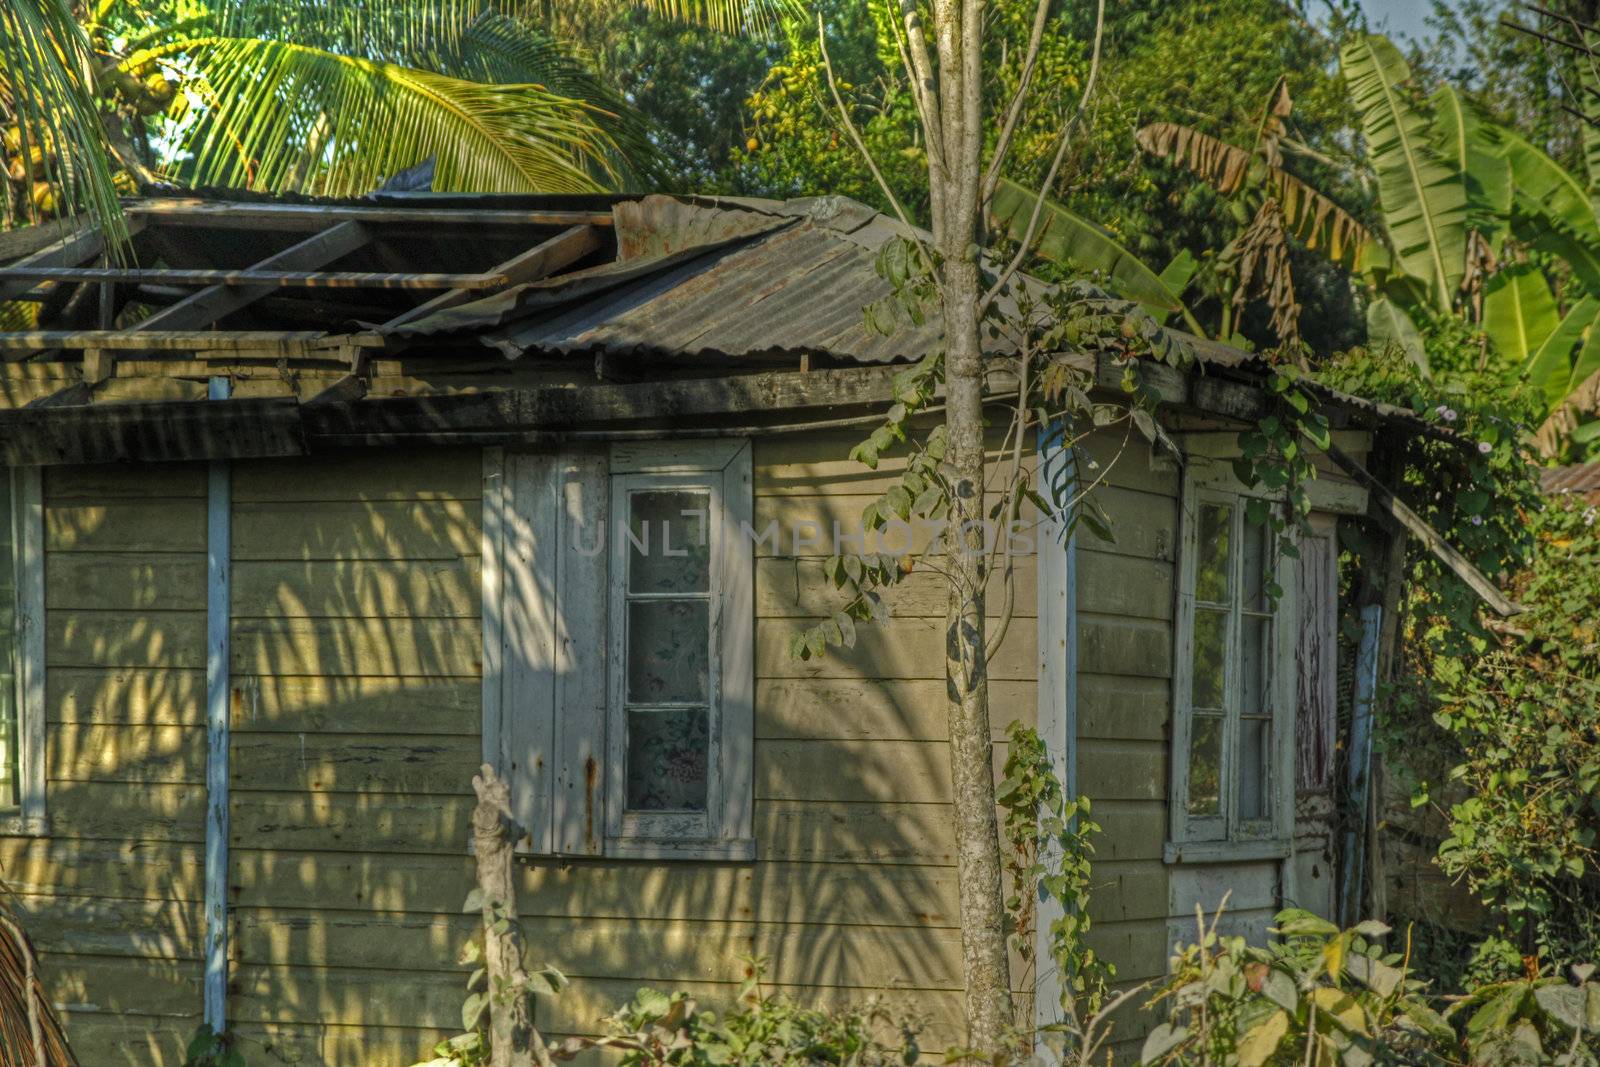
1577, 478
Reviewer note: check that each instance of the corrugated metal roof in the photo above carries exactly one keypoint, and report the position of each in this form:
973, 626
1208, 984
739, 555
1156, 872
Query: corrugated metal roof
700, 278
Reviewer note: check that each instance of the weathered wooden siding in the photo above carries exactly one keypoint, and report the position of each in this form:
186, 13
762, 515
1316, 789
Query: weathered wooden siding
356, 728
355, 648
1125, 605
113, 895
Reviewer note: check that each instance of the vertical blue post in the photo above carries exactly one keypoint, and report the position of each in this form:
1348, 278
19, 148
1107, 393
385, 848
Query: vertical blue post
218, 566
1359, 771
1057, 567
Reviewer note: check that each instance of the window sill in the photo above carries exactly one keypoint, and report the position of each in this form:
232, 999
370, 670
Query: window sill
1224, 851
739, 850
16, 824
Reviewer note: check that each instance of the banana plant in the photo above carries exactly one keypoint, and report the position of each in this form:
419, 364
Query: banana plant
1423, 199
1272, 206
1072, 241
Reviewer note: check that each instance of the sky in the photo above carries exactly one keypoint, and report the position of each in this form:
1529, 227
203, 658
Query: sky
1398, 16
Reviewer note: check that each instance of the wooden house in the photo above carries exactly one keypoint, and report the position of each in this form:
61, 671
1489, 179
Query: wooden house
317, 505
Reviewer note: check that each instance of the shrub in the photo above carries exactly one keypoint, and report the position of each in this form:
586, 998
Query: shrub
670, 1030
1325, 996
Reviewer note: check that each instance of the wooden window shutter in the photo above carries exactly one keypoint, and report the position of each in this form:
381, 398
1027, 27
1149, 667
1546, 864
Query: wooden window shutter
545, 642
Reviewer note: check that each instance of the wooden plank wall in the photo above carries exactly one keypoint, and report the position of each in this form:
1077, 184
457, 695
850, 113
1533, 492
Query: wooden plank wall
1125, 610
355, 737
356, 730
113, 895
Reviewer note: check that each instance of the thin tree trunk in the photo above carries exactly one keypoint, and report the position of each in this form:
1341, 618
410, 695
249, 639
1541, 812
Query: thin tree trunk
513, 1040
985, 961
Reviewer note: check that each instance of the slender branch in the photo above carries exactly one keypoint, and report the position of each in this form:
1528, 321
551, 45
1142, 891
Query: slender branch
913, 48
861, 146
1020, 428
1055, 166
1002, 148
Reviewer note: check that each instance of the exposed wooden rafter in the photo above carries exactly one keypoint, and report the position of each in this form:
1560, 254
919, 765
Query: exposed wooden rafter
1392, 509
66, 252
19, 274
176, 211
215, 302
540, 261
199, 342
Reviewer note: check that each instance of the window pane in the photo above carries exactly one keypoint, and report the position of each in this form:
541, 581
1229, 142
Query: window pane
668, 752
1210, 658
1205, 765
676, 555
1255, 665
668, 652
1255, 564
1254, 767
1211, 560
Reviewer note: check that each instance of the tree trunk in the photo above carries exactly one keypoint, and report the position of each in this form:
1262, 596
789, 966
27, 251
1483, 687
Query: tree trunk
985, 960
513, 1040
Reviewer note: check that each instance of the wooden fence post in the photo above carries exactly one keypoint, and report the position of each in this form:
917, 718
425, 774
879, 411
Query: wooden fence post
514, 1042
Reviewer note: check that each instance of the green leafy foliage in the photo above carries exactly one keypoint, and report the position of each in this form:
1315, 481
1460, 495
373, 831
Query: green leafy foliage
1049, 848
672, 1030
207, 1048
1522, 789
1326, 996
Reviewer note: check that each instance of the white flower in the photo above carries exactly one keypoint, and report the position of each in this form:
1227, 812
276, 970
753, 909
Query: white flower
1449, 415
1477, 520
1589, 516
1485, 447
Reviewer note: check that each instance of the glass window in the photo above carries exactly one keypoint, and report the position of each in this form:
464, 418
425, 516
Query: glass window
1227, 706
668, 642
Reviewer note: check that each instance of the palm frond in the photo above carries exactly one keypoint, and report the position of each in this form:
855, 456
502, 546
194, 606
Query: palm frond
281, 116
46, 90
404, 31
1310, 217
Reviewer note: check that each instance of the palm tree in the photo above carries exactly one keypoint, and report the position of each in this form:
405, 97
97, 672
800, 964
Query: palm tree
304, 95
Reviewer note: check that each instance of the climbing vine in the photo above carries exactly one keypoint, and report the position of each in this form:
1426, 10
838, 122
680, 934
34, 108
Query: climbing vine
1049, 848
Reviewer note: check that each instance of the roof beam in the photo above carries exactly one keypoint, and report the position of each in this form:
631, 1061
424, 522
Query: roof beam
20, 274
186, 211
540, 261
216, 302
66, 252
1388, 505
279, 342
26, 240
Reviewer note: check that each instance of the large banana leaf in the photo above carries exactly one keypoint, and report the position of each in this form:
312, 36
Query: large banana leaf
1474, 147
1519, 311
1557, 192
1387, 323
47, 78
1550, 367
1311, 218
1074, 241
1424, 200
276, 115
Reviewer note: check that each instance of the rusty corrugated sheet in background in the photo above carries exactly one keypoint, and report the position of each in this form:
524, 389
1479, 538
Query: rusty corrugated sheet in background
1582, 478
